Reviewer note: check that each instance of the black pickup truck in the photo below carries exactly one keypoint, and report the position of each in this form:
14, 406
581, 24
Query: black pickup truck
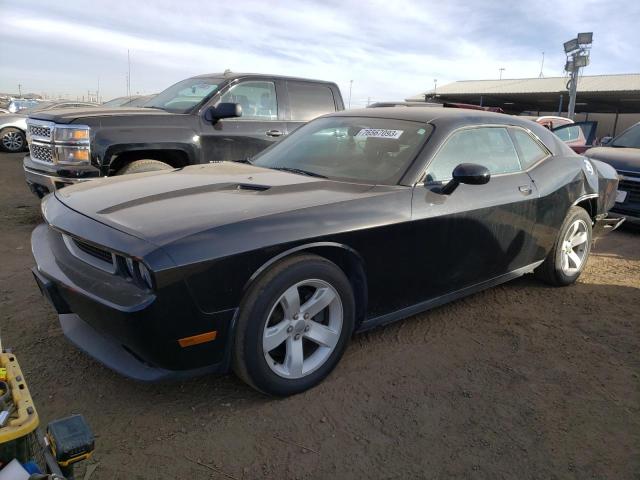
190, 122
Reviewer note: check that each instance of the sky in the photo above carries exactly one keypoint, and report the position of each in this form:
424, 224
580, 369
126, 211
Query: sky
389, 49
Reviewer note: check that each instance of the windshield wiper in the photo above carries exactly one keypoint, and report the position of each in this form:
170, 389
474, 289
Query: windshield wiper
299, 171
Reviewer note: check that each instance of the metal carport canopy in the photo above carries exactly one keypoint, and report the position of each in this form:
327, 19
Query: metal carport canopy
596, 93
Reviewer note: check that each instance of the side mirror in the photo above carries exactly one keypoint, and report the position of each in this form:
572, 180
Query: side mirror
606, 140
469, 173
222, 110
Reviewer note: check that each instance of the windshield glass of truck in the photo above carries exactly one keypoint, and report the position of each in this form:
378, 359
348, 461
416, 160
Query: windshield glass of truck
184, 95
367, 150
629, 139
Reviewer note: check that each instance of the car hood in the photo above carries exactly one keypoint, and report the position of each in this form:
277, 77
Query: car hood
69, 115
626, 159
164, 206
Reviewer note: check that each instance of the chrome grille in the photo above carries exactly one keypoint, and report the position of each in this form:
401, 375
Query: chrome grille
40, 131
41, 153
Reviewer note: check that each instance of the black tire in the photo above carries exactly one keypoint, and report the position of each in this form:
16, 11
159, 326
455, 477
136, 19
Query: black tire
145, 165
551, 271
249, 361
12, 140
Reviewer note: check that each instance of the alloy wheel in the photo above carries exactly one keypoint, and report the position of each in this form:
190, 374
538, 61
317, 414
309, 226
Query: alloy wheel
13, 141
303, 328
574, 247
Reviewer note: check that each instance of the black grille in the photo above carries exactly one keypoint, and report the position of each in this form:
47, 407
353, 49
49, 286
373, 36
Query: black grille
632, 189
96, 252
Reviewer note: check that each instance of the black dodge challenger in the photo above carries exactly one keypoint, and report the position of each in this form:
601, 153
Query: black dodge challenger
356, 220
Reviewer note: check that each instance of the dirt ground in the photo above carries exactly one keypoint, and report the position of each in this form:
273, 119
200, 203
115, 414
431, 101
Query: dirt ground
520, 381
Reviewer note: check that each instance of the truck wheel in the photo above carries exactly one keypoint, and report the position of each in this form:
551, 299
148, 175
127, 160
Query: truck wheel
12, 140
146, 165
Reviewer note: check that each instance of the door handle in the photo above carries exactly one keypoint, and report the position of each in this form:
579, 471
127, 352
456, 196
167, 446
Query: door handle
525, 189
274, 133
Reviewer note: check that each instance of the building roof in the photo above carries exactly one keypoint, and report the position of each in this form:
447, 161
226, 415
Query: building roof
596, 93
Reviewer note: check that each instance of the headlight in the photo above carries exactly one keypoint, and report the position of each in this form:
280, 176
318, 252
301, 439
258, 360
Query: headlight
71, 134
145, 274
138, 272
72, 155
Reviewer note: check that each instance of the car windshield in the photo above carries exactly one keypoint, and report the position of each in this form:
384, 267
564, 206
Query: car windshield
185, 95
628, 139
40, 106
360, 149
116, 102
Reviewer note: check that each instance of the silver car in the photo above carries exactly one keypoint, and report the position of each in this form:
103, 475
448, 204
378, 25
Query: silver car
13, 126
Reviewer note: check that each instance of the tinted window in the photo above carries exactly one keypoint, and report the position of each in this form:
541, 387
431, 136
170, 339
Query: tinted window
307, 101
369, 150
530, 151
630, 138
490, 146
258, 100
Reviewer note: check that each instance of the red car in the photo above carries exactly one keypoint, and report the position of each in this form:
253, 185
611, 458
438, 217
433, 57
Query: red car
579, 136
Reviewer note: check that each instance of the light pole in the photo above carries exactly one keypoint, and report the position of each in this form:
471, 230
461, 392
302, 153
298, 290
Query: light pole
501, 69
350, 88
20, 90
435, 86
577, 51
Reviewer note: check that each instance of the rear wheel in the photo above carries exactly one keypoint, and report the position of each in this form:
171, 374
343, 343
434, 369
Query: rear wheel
570, 252
294, 325
12, 140
145, 165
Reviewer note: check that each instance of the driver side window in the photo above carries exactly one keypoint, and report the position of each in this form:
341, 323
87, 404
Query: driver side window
490, 147
257, 99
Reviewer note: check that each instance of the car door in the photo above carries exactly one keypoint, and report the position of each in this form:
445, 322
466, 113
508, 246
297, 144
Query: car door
578, 136
306, 101
478, 232
259, 126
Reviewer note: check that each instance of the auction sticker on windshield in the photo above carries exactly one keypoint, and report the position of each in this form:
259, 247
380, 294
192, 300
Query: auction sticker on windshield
379, 133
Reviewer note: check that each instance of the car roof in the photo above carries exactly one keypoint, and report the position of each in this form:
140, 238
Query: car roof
235, 75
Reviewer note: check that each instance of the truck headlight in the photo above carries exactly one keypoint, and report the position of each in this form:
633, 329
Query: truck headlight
71, 134
72, 155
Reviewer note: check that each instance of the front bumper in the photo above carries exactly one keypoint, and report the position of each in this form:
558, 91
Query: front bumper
131, 331
43, 179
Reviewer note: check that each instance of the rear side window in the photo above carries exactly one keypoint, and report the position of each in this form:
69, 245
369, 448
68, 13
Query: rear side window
490, 147
530, 151
308, 101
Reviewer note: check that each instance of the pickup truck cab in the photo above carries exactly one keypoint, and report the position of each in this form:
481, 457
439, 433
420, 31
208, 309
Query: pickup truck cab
172, 130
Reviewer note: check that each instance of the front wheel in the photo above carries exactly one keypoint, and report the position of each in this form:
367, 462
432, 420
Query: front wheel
294, 325
145, 165
569, 254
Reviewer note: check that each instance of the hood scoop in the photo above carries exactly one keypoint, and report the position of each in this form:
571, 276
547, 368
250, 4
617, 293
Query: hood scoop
185, 192
252, 187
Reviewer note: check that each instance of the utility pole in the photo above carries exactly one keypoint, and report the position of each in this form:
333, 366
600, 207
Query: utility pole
20, 90
435, 86
128, 74
98, 92
542, 67
577, 51
350, 88
501, 69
